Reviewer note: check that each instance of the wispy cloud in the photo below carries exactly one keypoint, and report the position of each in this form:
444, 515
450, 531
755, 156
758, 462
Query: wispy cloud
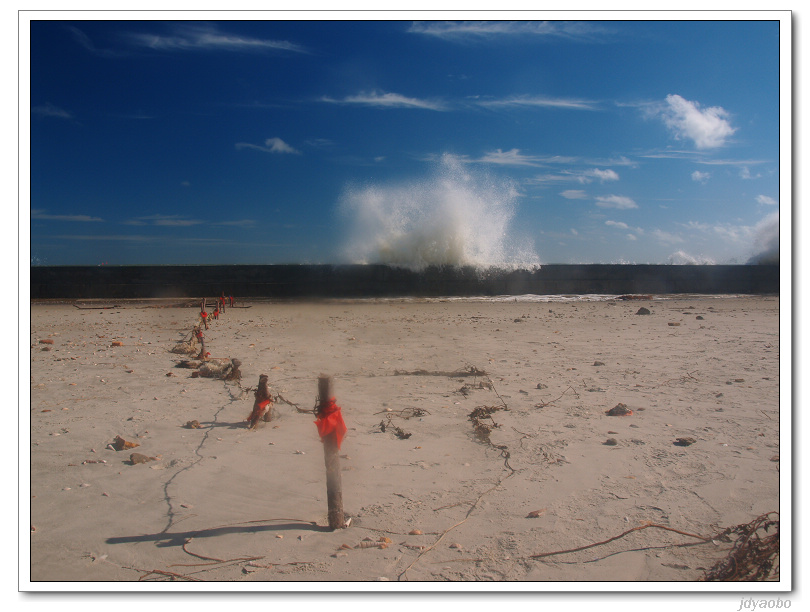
164, 221
583, 177
538, 102
600, 175
513, 157
51, 110
208, 38
700, 177
239, 223
40, 214
666, 237
574, 194
763, 199
463, 31
617, 224
708, 128
615, 201
271, 145
110, 237
85, 42
387, 100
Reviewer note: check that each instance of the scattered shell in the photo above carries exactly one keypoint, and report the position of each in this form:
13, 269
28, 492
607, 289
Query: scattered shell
673, 324
46, 341
344, 546
536, 513
415, 532
775, 458
195, 424
385, 540
456, 546
117, 343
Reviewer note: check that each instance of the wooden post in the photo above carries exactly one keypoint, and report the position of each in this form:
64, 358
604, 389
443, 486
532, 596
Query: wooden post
334, 486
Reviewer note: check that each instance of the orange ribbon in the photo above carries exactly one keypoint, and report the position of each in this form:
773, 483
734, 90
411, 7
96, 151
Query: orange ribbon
331, 420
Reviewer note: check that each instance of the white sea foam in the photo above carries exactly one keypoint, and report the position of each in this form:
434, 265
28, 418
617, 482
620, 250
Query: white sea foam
454, 217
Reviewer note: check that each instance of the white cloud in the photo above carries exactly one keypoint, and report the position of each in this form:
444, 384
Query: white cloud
41, 215
700, 177
708, 128
271, 145
387, 100
194, 38
631, 237
574, 194
666, 237
483, 30
574, 232
619, 224
51, 110
763, 199
745, 173
164, 221
602, 175
539, 102
512, 157
615, 201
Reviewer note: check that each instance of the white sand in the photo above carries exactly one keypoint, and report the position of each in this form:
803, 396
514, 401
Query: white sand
226, 504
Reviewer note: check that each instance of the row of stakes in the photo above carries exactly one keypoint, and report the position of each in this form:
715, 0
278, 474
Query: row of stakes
329, 419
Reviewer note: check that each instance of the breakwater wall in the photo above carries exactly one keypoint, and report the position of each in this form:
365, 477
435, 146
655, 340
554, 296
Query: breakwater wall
364, 281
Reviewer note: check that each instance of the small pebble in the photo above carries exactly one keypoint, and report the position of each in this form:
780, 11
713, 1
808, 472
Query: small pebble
611, 442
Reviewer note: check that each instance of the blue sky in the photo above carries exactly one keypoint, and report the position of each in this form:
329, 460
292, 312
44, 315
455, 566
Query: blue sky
408, 142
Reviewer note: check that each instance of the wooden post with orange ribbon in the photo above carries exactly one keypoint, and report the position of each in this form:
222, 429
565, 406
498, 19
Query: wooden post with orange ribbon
331, 429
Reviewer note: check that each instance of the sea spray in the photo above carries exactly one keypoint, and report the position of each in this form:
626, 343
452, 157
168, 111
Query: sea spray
455, 217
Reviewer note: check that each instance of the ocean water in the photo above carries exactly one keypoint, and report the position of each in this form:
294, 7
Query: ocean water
455, 216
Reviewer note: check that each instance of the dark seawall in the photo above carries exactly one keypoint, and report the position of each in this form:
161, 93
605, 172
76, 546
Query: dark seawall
363, 281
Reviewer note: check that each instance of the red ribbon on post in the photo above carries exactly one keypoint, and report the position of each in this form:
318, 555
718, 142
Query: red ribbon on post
331, 420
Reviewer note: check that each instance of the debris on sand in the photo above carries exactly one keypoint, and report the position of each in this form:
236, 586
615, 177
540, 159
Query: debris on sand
619, 410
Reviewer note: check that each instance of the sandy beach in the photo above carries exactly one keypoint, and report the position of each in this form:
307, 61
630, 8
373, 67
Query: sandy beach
478, 440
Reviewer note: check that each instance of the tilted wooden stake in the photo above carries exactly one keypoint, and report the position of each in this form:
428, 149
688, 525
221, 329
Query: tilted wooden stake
263, 404
334, 486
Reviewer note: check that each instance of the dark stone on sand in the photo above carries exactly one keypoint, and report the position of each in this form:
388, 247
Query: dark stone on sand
619, 410
684, 441
699, 318
611, 442
598, 363
136, 458
643, 311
